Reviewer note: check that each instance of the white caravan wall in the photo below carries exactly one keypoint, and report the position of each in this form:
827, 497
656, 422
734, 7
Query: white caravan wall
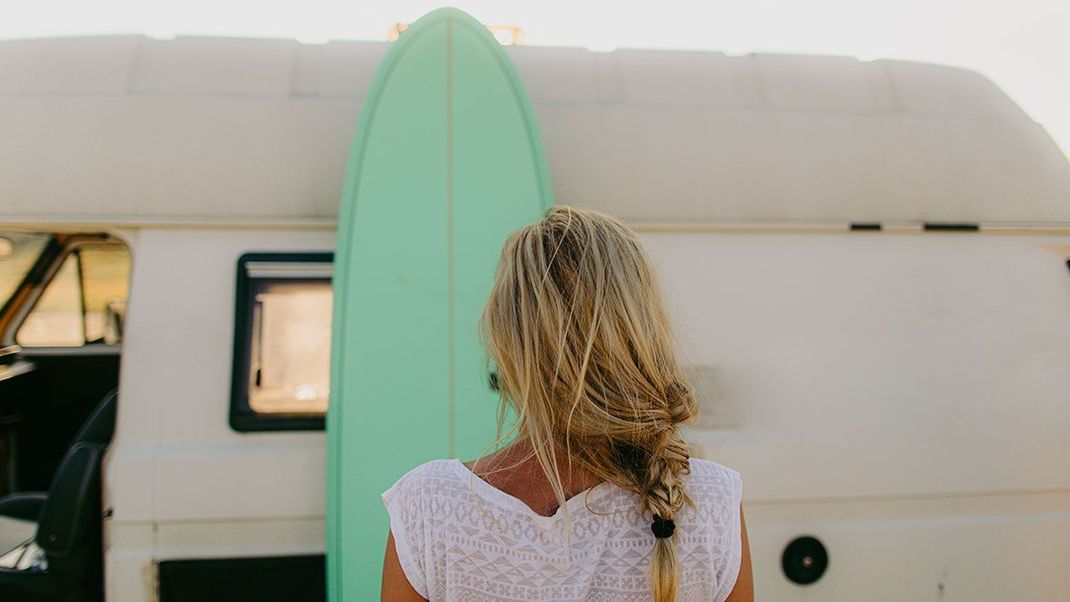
900, 396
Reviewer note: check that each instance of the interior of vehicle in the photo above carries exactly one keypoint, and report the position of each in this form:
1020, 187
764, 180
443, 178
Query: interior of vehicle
62, 301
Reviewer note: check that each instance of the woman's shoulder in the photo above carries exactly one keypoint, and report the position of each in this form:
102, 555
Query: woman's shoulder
709, 467
425, 479
707, 475
431, 469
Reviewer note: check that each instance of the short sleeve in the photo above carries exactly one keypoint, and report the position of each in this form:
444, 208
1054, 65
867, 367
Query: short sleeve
734, 558
404, 504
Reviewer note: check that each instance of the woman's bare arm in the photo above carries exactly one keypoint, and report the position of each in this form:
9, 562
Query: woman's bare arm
396, 587
744, 588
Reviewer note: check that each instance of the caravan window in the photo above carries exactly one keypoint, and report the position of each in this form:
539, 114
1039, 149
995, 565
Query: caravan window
282, 345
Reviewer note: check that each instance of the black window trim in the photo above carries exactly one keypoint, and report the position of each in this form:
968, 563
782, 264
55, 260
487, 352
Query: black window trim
243, 418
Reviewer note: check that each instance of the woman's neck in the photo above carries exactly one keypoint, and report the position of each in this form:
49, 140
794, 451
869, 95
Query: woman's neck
515, 470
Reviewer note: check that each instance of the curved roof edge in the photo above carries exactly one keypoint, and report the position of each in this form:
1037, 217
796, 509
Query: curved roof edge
235, 129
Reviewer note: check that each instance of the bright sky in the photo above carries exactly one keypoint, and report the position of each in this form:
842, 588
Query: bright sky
1021, 45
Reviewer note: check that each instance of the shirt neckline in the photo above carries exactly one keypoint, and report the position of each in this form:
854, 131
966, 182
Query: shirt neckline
573, 503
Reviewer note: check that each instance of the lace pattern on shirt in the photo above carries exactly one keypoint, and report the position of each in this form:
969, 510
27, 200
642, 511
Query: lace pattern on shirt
460, 539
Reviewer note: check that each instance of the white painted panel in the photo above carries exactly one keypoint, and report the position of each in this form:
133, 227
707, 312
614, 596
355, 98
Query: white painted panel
900, 396
953, 549
175, 455
867, 364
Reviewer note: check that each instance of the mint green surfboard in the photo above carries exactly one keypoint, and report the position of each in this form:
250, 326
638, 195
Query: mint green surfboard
445, 163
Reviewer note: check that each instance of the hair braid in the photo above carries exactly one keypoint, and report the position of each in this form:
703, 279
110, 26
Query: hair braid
663, 496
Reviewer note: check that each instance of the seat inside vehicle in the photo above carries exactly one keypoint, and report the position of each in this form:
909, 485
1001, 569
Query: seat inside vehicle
63, 560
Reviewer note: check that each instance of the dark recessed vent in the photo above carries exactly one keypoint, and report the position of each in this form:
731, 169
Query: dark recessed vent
951, 227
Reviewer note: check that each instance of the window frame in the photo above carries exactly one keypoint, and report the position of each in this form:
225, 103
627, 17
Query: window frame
242, 417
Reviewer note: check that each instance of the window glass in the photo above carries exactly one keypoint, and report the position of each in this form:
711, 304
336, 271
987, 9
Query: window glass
56, 319
290, 350
84, 302
106, 282
18, 250
282, 341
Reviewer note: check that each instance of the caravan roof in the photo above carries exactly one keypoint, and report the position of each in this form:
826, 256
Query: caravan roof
229, 130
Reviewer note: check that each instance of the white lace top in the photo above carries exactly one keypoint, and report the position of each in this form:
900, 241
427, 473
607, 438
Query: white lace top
461, 539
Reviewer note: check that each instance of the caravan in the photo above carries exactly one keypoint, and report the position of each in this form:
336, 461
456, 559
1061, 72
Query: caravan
867, 262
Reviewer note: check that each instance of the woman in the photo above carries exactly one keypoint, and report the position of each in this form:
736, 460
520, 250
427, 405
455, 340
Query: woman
596, 498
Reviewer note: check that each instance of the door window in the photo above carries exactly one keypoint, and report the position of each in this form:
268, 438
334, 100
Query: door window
18, 251
84, 302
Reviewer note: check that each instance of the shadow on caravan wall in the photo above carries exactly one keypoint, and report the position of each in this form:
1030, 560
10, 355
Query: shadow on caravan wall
240, 278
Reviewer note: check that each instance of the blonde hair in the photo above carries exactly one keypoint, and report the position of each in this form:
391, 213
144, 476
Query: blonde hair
576, 327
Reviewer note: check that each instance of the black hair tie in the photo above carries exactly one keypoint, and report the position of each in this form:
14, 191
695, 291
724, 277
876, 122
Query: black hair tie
662, 527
